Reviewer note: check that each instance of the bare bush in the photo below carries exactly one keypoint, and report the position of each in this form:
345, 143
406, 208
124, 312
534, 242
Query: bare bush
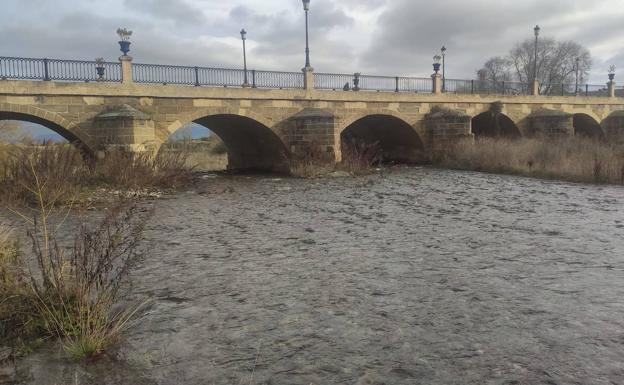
64, 175
359, 157
312, 162
71, 292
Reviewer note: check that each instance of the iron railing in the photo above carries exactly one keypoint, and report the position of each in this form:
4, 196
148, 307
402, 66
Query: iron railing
569, 90
327, 81
485, 87
57, 69
80, 70
323, 81
217, 77
274, 79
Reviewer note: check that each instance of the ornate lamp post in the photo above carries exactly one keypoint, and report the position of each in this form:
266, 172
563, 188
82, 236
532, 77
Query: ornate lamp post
306, 8
443, 50
244, 37
576, 83
99, 68
436, 63
611, 73
124, 40
536, 30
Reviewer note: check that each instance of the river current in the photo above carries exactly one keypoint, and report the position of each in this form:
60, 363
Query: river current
409, 276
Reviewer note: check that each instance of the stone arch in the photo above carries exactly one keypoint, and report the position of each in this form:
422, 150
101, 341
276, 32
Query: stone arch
397, 139
52, 121
200, 113
251, 143
494, 125
587, 126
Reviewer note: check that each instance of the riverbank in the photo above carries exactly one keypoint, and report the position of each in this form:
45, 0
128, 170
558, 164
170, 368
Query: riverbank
568, 159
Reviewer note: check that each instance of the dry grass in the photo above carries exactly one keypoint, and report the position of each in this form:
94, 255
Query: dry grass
18, 316
207, 154
360, 157
573, 159
312, 162
357, 158
65, 175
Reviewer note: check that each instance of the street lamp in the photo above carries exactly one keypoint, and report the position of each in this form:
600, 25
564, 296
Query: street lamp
244, 37
443, 50
436, 63
577, 61
306, 8
537, 31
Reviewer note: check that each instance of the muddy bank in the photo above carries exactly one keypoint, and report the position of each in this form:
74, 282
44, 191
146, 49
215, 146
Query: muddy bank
416, 276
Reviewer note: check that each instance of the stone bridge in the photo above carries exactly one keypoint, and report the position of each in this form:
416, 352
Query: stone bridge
264, 128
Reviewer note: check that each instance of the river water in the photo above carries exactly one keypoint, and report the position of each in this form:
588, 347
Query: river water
411, 276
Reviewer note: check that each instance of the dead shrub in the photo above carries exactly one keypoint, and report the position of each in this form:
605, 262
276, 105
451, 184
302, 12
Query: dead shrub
359, 157
312, 162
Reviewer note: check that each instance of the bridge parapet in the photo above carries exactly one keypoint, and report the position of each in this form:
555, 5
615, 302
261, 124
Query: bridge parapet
280, 119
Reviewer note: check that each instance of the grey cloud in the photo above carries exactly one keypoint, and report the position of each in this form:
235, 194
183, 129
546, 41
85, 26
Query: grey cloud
401, 41
411, 32
179, 11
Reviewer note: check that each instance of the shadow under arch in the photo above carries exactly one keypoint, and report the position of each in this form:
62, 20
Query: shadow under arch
586, 126
494, 125
84, 149
251, 145
398, 141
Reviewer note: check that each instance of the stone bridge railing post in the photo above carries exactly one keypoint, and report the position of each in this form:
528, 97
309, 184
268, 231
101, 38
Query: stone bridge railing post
126, 69
535, 88
611, 86
437, 83
308, 78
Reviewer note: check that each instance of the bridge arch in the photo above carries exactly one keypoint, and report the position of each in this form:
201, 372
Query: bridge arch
250, 142
398, 140
494, 125
51, 121
588, 126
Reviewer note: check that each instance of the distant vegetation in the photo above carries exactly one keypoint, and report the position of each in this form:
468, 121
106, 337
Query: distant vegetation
556, 64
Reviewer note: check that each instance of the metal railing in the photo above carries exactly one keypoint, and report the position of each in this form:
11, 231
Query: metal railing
216, 77
57, 69
85, 71
327, 81
485, 87
569, 90
274, 79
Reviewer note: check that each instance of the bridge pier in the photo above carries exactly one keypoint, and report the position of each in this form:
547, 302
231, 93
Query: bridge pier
123, 128
444, 128
550, 123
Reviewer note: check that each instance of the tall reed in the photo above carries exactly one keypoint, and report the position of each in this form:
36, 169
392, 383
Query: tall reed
574, 159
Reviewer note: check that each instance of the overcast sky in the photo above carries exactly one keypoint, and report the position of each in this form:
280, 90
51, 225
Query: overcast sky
387, 37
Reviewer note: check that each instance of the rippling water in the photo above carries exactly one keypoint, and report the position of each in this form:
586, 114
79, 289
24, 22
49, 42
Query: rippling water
416, 276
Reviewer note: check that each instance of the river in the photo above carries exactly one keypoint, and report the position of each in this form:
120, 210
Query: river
411, 276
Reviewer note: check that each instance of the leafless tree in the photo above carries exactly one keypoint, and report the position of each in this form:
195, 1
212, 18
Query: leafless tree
556, 64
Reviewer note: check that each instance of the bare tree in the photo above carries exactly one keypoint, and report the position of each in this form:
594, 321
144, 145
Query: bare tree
556, 64
497, 69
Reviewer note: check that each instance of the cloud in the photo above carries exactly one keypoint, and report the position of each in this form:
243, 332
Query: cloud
391, 37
